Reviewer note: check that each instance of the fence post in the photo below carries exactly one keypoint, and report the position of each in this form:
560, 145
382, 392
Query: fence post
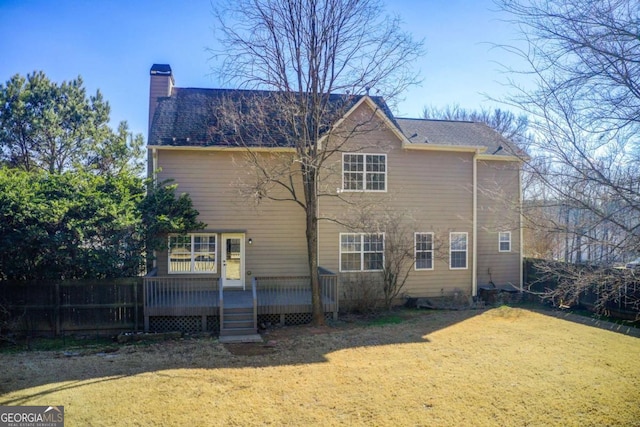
57, 298
135, 305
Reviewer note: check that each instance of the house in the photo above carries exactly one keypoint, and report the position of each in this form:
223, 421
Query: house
589, 231
455, 185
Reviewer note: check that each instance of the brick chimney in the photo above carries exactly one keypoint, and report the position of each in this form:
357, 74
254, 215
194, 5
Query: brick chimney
161, 85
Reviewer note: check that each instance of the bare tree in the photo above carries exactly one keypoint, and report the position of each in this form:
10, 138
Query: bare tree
398, 260
584, 109
305, 51
513, 127
399, 257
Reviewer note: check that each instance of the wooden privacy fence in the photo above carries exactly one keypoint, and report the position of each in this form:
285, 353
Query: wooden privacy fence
59, 307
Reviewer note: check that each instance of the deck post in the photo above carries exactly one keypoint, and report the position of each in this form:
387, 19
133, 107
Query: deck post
254, 296
145, 302
221, 306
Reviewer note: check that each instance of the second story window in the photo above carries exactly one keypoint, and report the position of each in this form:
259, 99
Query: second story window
364, 172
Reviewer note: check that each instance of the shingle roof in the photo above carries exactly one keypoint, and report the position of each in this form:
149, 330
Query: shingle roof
205, 117
457, 133
192, 117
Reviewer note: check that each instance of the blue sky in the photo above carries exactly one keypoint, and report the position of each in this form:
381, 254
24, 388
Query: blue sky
112, 45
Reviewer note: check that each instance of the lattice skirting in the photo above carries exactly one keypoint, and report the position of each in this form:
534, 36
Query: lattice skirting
289, 318
193, 324
268, 319
297, 318
186, 324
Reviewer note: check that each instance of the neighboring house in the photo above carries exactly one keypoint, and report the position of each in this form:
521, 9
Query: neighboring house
457, 184
592, 231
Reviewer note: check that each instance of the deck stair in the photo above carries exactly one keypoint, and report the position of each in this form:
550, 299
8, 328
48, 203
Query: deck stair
238, 317
237, 321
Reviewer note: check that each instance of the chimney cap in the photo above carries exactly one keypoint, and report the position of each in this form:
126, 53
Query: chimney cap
161, 69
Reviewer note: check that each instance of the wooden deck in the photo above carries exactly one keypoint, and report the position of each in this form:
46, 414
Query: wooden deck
208, 303
188, 296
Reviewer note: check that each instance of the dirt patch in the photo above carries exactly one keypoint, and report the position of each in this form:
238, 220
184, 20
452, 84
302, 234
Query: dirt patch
251, 349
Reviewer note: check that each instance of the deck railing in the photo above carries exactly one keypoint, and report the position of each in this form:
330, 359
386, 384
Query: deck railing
178, 291
178, 295
280, 293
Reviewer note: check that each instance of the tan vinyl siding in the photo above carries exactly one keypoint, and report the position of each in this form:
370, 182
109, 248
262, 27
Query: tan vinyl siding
432, 189
498, 210
213, 179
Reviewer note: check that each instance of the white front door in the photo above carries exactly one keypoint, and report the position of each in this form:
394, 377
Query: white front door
233, 260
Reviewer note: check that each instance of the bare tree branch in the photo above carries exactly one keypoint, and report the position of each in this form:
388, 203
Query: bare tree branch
304, 52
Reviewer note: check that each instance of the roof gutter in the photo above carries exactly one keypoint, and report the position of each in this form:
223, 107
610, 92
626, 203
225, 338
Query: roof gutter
501, 158
442, 147
221, 148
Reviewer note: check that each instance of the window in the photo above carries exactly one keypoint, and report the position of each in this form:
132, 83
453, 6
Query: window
424, 251
504, 241
361, 252
458, 251
192, 253
364, 172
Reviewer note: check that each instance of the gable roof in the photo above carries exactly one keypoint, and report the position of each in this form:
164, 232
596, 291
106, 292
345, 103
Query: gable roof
205, 117
191, 117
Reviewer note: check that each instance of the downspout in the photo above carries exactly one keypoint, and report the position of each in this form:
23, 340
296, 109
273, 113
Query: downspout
521, 229
474, 230
154, 168
154, 165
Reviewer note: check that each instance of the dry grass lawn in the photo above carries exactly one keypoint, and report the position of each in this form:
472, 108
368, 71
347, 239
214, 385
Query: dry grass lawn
508, 367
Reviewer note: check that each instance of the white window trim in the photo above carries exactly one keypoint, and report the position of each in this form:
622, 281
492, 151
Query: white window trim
466, 250
191, 269
362, 252
500, 241
364, 173
415, 251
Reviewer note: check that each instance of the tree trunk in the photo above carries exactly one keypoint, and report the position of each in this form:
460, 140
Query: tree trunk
311, 197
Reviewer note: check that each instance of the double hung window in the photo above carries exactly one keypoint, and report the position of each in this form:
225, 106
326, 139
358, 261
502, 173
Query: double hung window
364, 172
424, 251
458, 251
504, 241
361, 252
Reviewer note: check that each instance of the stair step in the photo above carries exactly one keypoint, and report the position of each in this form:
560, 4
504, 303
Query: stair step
238, 315
238, 324
238, 311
